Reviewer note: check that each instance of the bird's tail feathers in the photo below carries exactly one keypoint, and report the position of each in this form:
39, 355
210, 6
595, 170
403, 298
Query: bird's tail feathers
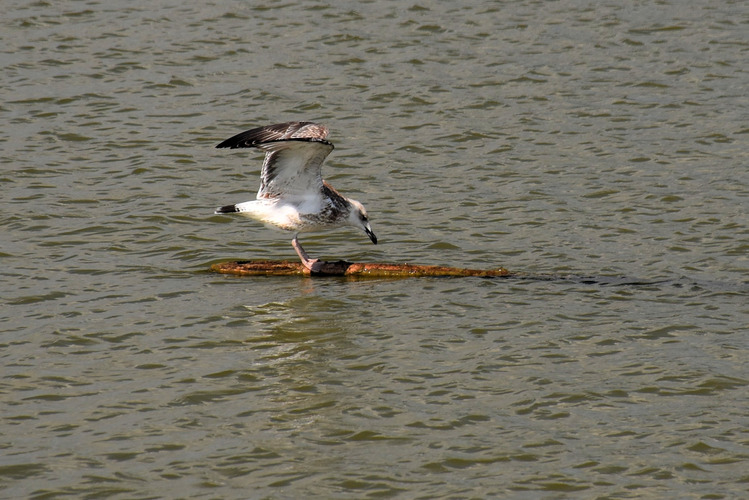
228, 209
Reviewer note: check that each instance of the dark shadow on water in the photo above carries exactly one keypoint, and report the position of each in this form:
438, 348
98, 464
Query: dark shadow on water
625, 281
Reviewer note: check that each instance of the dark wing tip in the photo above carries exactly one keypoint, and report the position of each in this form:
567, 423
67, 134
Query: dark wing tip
277, 132
228, 143
262, 145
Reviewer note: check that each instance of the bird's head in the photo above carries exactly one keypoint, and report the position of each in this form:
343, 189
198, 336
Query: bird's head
358, 218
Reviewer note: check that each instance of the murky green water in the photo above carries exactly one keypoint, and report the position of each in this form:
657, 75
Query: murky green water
603, 143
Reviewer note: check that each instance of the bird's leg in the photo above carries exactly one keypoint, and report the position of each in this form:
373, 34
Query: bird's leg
313, 265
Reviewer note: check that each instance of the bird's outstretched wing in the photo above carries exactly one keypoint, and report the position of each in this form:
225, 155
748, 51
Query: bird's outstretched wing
294, 152
279, 131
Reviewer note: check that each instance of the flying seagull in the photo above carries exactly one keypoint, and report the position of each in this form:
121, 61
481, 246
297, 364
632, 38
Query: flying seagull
293, 195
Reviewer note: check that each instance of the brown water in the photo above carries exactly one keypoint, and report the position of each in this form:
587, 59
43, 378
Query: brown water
598, 148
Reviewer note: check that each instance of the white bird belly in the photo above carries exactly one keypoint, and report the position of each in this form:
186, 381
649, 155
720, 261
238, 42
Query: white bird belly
271, 213
302, 214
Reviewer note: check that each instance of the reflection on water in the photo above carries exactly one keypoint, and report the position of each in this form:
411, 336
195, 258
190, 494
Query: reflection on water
598, 152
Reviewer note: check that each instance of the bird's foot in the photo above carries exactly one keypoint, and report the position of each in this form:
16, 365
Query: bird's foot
314, 265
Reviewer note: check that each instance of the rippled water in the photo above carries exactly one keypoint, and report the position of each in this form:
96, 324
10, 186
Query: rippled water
598, 149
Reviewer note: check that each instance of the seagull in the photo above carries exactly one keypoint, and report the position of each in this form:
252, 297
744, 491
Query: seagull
293, 195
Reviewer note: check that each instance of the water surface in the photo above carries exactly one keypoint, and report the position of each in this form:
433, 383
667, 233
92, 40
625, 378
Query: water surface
598, 149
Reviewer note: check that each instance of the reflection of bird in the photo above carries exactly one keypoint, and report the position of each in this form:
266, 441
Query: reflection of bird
293, 196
